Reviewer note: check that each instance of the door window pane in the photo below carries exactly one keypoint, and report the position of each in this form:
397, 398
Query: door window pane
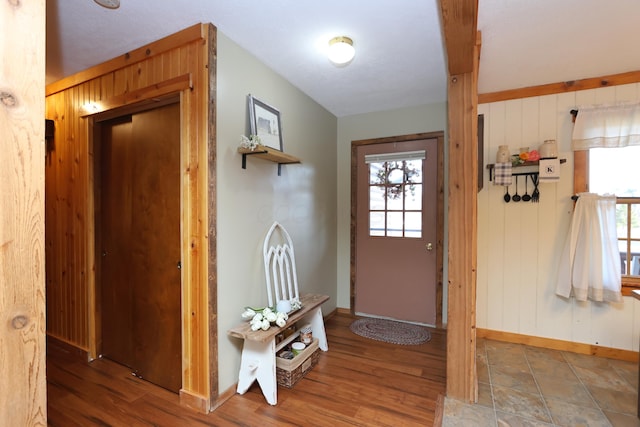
395, 225
376, 224
413, 224
413, 200
376, 198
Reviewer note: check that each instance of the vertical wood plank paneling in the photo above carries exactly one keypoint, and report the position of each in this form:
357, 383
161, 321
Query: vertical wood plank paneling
495, 122
482, 276
527, 304
549, 310
70, 190
529, 227
514, 228
22, 220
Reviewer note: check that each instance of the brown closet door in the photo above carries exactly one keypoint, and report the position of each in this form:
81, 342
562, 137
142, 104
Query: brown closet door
116, 167
144, 226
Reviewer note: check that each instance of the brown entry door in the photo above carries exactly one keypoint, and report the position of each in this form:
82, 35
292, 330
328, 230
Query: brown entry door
139, 224
396, 231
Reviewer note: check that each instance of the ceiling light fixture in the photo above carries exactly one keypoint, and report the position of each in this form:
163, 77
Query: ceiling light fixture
341, 50
109, 4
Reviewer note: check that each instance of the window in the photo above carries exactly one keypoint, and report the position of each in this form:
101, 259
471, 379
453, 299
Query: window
615, 171
395, 195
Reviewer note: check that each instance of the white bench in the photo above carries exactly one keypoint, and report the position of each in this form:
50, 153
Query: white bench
259, 348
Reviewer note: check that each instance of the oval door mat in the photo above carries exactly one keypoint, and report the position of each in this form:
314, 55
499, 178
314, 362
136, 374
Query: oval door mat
390, 331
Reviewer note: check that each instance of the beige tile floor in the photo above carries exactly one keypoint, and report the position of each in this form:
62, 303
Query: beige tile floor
522, 386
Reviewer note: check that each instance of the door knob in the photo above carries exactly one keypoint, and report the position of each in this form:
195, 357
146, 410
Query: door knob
429, 246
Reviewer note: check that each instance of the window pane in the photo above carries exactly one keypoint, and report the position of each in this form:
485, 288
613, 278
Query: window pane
413, 198
615, 171
394, 224
376, 223
635, 221
635, 259
396, 174
413, 224
376, 198
415, 165
621, 221
394, 199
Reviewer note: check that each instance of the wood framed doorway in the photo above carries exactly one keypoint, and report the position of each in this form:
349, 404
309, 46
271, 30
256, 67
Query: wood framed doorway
197, 386
137, 240
357, 206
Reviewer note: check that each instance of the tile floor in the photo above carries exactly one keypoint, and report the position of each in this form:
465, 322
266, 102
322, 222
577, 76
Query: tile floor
522, 386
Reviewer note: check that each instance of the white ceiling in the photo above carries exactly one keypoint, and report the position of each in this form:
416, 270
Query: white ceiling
400, 59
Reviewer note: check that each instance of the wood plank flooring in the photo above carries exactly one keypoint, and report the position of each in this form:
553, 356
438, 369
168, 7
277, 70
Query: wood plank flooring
358, 382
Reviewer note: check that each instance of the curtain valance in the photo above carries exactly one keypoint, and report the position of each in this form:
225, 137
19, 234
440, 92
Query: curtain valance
607, 126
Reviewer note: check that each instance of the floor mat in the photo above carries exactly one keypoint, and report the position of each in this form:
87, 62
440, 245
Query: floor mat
390, 331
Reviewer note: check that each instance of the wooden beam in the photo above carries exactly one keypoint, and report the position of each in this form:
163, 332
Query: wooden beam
561, 87
459, 26
23, 392
463, 50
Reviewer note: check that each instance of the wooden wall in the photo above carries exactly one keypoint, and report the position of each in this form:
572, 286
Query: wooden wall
179, 65
23, 390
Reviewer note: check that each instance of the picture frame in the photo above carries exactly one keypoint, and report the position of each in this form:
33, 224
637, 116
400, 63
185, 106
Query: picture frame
265, 122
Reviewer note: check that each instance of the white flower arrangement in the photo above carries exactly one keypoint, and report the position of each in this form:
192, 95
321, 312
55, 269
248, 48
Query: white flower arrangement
263, 318
251, 142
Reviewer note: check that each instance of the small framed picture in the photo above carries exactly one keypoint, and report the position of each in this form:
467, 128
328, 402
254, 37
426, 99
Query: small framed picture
265, 122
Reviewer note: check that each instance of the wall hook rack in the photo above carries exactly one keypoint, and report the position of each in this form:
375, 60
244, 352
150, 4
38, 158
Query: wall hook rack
525, 164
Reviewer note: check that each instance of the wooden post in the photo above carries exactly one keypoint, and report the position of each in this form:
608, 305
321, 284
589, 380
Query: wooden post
459, 18
463, 178
23, 392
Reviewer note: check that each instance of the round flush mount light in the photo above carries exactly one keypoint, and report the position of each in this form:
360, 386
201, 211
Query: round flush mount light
109, 4
341, 50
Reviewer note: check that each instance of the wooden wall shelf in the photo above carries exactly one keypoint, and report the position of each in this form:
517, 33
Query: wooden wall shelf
491, 166
269, 154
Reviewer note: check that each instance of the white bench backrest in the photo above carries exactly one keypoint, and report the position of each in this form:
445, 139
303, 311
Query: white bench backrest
279, 265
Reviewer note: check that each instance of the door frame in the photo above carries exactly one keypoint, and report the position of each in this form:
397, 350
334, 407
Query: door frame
198, 287
439, 136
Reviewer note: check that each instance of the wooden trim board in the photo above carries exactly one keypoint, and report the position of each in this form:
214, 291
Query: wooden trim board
554, 344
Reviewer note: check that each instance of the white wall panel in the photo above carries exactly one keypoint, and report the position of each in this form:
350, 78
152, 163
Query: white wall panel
482, 273
520, 244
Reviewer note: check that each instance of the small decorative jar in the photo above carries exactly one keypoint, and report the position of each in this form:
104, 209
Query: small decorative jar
306, 334
503, 155
549, 150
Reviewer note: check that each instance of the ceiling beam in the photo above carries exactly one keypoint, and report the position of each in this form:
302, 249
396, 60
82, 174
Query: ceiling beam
459, 27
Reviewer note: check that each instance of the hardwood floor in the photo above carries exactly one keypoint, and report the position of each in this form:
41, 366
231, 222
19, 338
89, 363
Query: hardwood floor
358, 382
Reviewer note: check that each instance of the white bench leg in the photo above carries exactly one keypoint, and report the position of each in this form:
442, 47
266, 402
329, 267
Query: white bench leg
259, 363
317, 326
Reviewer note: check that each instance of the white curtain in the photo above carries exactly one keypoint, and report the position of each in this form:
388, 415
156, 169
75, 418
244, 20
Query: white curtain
607, 126
590, 264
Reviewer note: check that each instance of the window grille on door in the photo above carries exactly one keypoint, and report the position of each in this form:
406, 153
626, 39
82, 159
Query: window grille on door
395, 194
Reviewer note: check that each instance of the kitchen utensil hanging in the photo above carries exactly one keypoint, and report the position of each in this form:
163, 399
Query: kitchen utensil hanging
516, 197
534, 197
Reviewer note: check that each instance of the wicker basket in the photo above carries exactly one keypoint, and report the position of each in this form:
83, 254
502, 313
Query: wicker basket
289, 372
